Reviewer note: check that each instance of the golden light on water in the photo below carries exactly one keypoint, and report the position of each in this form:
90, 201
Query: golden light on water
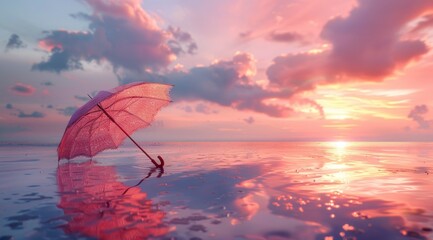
339, 148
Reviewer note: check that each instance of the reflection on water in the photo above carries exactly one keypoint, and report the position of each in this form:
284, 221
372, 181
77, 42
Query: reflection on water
227, 191
93, 200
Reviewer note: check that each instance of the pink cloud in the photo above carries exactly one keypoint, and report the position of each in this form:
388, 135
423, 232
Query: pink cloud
299, 72
284, 19
425, 23
22, 89
120, 32
367, 45
311, 103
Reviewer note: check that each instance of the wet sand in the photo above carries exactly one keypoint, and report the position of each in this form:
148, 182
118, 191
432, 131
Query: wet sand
221, 191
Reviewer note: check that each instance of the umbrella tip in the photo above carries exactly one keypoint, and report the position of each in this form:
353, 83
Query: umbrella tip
161, 162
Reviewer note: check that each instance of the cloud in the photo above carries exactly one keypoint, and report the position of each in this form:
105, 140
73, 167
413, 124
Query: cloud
425, 23
249, 120
284, 37
67, 111
15, 42
120, 32
311, 103
417, 115
82, 98
367, 45
299, 72
203, 108
226, 82
246, 34
22, 89
199, 108
180, 38
187, 108
21, 114
60, 60
47, 83
34, 114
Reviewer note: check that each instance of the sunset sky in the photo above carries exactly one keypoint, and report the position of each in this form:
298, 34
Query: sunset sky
243, 70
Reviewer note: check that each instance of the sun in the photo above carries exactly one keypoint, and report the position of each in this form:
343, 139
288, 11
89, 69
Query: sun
339, 148
340, 144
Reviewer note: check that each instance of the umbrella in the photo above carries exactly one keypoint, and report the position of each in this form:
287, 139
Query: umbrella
97, 205
111, 116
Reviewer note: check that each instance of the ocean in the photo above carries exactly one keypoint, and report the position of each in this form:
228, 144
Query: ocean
221, 190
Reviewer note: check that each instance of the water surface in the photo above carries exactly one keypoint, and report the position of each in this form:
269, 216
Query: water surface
221, 191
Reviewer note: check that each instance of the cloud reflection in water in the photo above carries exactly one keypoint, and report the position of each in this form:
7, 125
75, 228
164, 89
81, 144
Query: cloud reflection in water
338, 193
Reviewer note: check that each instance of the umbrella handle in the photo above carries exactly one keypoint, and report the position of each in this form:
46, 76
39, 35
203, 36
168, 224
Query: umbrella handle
161, 160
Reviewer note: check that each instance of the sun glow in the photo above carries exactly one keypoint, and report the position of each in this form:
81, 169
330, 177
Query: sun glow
339, 149
340, 144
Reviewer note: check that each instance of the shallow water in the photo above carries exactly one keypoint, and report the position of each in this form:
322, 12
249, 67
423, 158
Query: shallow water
221, 191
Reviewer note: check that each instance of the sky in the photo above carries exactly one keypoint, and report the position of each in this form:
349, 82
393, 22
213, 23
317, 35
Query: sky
244, 70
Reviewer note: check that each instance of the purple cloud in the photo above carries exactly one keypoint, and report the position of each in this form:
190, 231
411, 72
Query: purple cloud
34, 114
226, 83
199, 108
15, 42
9, 106
60, 60
203, 108
120, 32
47, 83
187, 108
249, 120
285, 37
67, 111
245, 34
181, 38
82, 98
417, 115
22, 89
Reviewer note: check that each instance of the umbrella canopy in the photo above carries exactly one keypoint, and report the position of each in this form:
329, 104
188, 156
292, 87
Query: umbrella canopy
96, 204
111, 116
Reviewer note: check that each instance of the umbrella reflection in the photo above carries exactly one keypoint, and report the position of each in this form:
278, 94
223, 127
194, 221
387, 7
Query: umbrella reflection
97, 205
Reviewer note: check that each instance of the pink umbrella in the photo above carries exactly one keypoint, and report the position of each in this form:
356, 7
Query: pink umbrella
111, 116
